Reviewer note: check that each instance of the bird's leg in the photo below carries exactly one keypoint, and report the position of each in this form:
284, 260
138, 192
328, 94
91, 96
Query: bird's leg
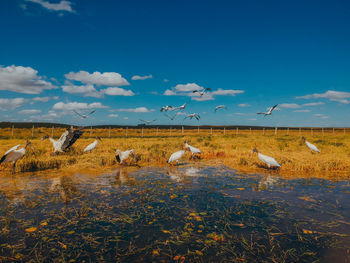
13, 167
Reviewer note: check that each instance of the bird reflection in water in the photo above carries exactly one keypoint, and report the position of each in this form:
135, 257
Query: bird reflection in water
64, 185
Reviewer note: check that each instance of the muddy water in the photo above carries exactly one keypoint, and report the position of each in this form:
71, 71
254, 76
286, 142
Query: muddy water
184, 214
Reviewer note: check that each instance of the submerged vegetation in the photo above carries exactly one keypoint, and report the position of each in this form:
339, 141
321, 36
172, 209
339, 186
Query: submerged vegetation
230, 149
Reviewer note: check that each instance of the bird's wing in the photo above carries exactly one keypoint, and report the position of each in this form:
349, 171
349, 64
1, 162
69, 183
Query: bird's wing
272, 108
195, 91
11, 156
12, 149
71, 137
143, 121
261, 113
92, 112
207, 89
78, 113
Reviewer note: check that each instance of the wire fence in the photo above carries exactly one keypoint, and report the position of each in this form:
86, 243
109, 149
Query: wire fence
39, 132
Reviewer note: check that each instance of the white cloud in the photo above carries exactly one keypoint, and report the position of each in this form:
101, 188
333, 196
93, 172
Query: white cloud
332, 95
138, 109
29, 111
77, 106
113, 115
44, 99
189, 87
125, 118
137, 77
23, 80
313, 104
166, 80
301, 111
97, 78
87, 90
289, 106
227, 92
61, 6
243, 105
11, 104
169, 92
205, 97
114, 91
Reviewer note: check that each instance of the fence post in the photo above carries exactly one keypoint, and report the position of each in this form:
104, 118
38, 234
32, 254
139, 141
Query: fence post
250, 130
322, 131
33, 132
211, 131
52, 129
157, 132
312, 132
263, 131
170, 131
288, 131
275, 130
90, 130
236, 130
109, 132
344, 131
333, 130
225, 131
299, 131
126, 132
13, 126
183, 131
142, 132
198, 130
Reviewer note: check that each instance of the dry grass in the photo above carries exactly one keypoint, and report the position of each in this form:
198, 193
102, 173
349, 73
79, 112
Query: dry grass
231, 150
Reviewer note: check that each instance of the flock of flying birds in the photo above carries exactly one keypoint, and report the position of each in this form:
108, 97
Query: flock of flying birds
71, 135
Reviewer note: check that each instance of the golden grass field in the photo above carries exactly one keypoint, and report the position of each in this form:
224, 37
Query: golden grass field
233, 149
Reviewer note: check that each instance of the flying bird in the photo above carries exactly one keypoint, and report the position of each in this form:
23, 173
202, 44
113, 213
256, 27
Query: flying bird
14, 155
166, 108
173, 117
194, 151
220, 107
84, 116
67, 139
269, 112
193, 115
147, 122
92, 146
269, 161
122, 156
311, 146
182, 107
202, 91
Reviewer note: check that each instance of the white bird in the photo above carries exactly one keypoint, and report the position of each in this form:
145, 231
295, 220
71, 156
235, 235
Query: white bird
14, 155
311, 146
195, 151
84, 116
202, 91
269, 161
176, 156
147, 122
13, 148
67, 139
122, 156
172, 118
182, 107
193, 115
166, 108
92, 146
220, 107
269, 112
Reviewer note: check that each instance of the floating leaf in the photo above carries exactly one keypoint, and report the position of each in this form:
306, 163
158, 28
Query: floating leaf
31, 229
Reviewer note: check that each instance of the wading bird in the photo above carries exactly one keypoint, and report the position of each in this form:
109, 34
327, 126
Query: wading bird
311, 146
67, 139
84, 116
122, 156
166, 108
193, 115
176, 156
220, 107
194, 151
14, 155
202, 91
182, 107
147, 122
171, 118
268, 112
13, 148
93, 145
269, 161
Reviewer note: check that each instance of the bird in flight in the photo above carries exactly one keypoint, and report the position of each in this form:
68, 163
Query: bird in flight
166, 108
173, 117
202, 91
147, 122
84, 116
220, 107
268, 112
182, 107
193, 115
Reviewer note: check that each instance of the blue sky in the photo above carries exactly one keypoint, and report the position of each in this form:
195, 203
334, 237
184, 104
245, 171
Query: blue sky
127, 59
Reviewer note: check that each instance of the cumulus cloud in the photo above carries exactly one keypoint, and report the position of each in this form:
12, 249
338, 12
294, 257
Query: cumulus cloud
321, 115
138, 109
289, 106
230, 92
114, 91
332, 95
313, 104
169, 92
77, 106
23, 80
137, 77
44, 99
301, 111
98, 78
61, 6
29, 111
87, 90
113, 115
189, 87
243, 105
11, 104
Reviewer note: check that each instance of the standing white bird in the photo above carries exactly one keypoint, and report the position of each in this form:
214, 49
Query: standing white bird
311, 146
122, 156
147, 122
67, 139
182, 107
166, 108
269, 112
93, 145
176, 156
193, 115
13, 148
194, 151
269, 161
202, 91
14, 155
84, 116
220, 107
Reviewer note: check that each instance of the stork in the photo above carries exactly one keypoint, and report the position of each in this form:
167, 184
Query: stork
312, 147
182, 107
219, 107
176, 156
14, 154
84, 116
147, 122
92, 146
166, 108
67, 139
122, 156
193, 115
173, 117
269, 112
202, 91
269, 161
194, 151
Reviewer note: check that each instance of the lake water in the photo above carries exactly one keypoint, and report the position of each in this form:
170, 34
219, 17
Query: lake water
182, 214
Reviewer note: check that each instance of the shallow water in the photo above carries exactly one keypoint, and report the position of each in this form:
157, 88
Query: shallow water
183, 214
